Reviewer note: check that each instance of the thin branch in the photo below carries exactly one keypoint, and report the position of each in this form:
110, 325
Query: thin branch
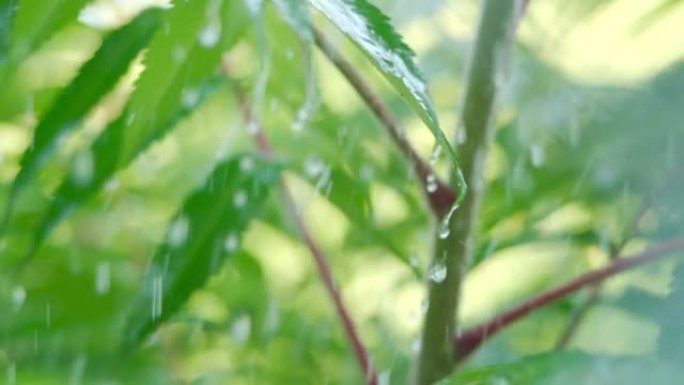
455, 246
470, 340
581, 311
318, 255
443, 197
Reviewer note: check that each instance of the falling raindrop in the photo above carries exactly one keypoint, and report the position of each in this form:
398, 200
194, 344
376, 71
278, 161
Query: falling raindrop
209, 35
415, 345
431, 183
102, 278
240, 199
247, 164
231, 243
437, 272
157, 296
18, 296
313, 166
461, 135
189, 98
178, 231
83, 168
252, 127
11, 373
413, 260
537, 155
241, 329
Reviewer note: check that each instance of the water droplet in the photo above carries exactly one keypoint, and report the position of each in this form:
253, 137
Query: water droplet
247, 164
241, 329
178, 231
461, 135
437, 272
209, 35
367, 172
102, 278
444, 226
83, 168
300, 119
231, 243
157, 296
112, 185
190, 98
431, 183
537, 155
252, 127
436, 153
415, 345
313, 166
18, 296
240, 199
414, 261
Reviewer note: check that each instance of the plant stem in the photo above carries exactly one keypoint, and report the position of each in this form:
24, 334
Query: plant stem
319, 257
495, 31
470, 340
444, 196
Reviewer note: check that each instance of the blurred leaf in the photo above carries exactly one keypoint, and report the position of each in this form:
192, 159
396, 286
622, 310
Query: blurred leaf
7, 11
569, 368
179, 75
35, 21
94, 80
372, 31
201, 235
296, 14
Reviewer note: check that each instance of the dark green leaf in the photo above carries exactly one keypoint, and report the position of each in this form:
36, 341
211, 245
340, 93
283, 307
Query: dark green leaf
201, 235
94, 80
372, 31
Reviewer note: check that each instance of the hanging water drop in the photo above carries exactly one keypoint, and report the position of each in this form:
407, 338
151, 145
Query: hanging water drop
431, 183
413, 260
445, 225
252, 127
436, 153
313, 166
437, 272
189, 98
178, 231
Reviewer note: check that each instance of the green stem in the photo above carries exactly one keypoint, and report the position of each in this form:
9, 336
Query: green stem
436, 357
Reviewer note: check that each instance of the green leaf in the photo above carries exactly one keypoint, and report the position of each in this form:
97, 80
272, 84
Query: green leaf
201, 235
372, 31
178, 63
296, 14
104, 159
178, 77
94, 80
35, 21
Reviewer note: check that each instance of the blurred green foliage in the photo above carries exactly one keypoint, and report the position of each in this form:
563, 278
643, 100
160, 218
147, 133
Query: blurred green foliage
582, 162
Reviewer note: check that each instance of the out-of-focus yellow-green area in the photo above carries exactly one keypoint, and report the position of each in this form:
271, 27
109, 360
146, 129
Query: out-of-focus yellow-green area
614, 48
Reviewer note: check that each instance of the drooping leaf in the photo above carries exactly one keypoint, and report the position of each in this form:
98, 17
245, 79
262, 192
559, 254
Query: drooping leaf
103, 157
178, 77
296, 13
34, 22
94, 80
206, 230
372, 31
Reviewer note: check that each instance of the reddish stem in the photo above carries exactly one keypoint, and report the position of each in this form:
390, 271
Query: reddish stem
467, 342
319, 257
443, 197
